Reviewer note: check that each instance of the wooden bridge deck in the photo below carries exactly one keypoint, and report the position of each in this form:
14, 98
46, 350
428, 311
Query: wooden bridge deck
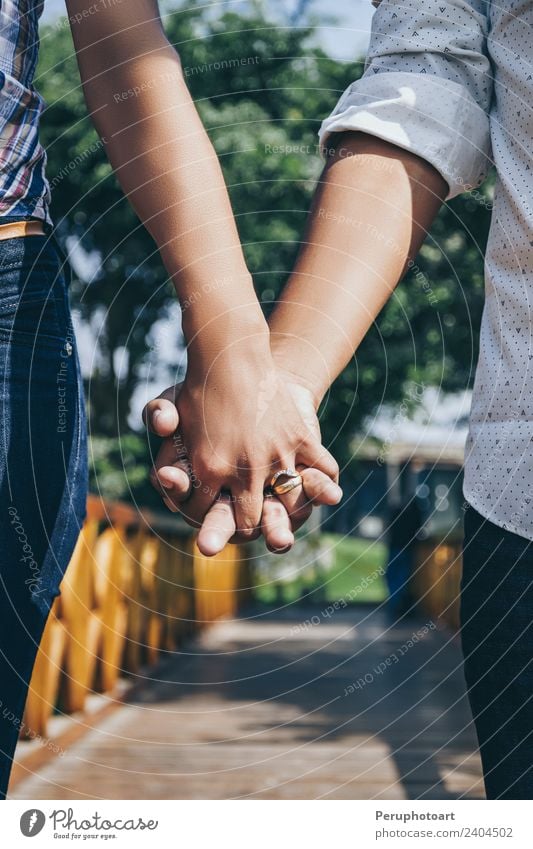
261, 708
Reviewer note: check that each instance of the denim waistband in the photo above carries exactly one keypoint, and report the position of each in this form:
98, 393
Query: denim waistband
34, 250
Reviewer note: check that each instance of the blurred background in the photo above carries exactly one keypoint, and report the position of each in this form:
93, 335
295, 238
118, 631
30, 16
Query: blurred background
397, 417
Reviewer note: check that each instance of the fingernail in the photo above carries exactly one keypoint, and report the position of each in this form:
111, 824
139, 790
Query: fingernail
281, 549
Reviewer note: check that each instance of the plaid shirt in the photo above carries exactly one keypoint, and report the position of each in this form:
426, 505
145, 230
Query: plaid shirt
24, 191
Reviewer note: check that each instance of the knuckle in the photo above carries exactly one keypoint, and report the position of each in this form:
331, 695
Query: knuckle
323, 461
249, 516
209, 469
309, 441
242, 476
248, 522
250, 534
276, 510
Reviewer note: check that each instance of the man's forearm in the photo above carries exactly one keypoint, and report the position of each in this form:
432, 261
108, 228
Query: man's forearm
371, 212
168, 169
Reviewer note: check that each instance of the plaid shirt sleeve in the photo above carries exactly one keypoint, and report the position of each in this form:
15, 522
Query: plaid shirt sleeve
24, 191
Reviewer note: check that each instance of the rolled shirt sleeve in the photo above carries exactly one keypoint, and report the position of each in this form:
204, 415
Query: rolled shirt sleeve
427, 87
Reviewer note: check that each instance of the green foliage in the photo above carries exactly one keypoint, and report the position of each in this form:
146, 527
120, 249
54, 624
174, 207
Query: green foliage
355, 575
119, 468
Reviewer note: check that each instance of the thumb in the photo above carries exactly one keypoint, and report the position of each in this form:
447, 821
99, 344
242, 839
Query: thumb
160, 415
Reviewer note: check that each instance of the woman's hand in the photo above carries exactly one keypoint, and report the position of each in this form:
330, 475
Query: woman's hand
278, 518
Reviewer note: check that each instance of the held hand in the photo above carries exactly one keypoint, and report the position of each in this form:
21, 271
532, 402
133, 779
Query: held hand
279, 518
238, 425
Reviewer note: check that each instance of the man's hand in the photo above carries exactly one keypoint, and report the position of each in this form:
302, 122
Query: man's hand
279, 517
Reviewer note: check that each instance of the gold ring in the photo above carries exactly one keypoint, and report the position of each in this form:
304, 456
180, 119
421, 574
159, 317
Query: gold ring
283, 488
295, 480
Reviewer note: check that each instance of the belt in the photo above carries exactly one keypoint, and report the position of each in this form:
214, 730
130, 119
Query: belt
15, 229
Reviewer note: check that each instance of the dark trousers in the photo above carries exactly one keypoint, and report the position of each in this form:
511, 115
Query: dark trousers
497, 639
43, 463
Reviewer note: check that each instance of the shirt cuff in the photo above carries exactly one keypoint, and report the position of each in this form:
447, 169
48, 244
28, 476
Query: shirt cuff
435, 118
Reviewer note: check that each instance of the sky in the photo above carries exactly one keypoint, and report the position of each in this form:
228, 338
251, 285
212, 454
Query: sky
348, 39
345, 39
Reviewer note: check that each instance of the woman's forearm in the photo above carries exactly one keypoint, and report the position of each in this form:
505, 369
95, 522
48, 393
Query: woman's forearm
371, 212
168, 169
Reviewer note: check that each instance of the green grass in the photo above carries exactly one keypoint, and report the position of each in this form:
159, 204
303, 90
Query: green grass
354, 576
356, 560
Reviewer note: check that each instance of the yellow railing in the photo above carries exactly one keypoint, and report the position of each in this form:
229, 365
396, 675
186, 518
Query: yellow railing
436, 580
136, 585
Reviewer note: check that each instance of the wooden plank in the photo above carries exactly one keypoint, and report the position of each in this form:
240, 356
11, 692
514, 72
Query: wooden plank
258, 711
44, 685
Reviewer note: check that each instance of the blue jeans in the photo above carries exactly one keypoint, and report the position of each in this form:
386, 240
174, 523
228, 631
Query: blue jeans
497, 638
43, 461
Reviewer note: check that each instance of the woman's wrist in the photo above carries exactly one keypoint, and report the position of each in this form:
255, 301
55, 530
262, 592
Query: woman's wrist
221, 316
235, 343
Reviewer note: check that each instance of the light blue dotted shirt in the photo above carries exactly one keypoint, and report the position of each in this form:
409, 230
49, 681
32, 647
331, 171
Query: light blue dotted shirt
452, 81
